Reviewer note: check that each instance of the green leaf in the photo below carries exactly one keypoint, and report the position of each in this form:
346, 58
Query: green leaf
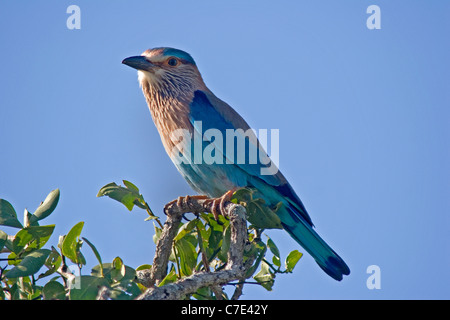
80, 257
70, 246
144, 267
215, 239
276, 261
130, 186
188, 256
54, 290
88, 288
13, 260
53, 262
96, 253
128, 196
108, 272
185, 229
8, 216
211, 221
3, 239
261, 216
259, 249
30, 264
265, 277
46, 208
204, 293
169, 278
35, 292
204, 234
125, 291
243, 195
118, 269
157, 234
226, 242
273, 248
32, 238
292, 259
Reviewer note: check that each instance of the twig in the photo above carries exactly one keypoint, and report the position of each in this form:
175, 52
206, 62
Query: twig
175, 252
238, 291
150, 213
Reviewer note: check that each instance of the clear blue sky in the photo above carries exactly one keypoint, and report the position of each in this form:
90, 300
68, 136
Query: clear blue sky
364, 118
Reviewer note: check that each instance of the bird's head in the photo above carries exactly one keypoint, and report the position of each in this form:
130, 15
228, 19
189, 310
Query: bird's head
167, 71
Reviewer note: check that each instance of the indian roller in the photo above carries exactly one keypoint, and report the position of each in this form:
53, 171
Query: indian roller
179, 101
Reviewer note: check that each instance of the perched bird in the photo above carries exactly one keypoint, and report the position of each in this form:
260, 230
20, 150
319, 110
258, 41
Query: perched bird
179, 101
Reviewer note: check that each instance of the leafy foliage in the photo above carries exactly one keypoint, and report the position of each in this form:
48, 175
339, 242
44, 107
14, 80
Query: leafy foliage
54, 273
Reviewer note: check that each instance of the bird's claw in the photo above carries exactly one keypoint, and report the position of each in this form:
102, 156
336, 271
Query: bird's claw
183, 201
218, 204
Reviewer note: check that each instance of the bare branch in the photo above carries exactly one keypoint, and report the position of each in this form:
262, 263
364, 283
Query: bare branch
164, 248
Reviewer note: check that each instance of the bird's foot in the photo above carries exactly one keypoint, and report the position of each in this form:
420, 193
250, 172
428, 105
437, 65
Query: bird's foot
218, 204
183, 201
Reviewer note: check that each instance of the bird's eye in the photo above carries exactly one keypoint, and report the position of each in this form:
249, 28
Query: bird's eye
172, 62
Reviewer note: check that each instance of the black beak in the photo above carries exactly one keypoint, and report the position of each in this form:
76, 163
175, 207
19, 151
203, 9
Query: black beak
138, 62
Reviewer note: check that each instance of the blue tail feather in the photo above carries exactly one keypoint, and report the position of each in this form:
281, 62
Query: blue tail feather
298, 224
303, 233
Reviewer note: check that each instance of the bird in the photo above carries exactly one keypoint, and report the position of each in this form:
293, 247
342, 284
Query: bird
180, 102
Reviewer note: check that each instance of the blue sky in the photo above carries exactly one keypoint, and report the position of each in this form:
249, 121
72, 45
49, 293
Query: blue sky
364, 119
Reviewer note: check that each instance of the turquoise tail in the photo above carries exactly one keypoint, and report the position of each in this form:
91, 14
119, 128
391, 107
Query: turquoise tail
303, 233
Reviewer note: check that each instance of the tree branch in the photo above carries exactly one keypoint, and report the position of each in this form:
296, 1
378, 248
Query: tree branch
234, 270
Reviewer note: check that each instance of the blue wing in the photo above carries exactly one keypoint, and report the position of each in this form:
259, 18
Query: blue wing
242, 174
209, 113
